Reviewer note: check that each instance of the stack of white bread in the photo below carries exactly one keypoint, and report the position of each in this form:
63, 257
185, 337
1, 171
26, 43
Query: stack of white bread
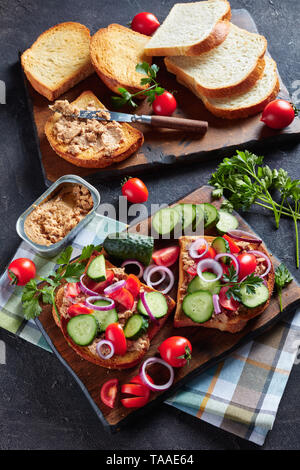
225, 66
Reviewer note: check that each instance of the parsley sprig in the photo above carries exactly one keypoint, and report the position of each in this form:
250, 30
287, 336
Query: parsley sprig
282, 278
33, 293
154, 88
245, 181
251, 283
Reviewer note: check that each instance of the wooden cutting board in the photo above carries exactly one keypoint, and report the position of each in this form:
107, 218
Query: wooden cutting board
209, 346
161, 147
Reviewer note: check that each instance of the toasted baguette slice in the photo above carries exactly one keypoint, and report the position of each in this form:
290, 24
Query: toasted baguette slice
231, 68
115, 52
91, 158
221, 322
131, 358
58, 60
191, 29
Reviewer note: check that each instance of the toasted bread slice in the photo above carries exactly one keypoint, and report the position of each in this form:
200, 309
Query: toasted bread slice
131, 358
58, 59
91, 158
231, 68
115, 52
191, 29
222, 322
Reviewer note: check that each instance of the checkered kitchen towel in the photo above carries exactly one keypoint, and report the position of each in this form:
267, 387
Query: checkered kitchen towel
240, 395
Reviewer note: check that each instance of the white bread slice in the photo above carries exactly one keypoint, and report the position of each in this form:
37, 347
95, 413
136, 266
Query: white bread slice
231, 68
115, 52
191, 29
252, 102
58, 59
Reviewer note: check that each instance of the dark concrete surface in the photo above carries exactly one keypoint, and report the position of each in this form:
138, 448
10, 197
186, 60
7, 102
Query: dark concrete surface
40, 405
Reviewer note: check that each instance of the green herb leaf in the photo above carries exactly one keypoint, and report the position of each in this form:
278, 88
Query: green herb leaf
31, 308
65, 256
73, 272
282, 276
143, 68
87, 252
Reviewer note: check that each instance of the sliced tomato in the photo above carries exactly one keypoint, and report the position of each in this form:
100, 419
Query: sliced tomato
136, 390
114, 333
109, 391
247, 264
123, 297
234, 248
133, 284
100, 286
136, 402
166, 256
73, 289
79, 309
229, 304
210, 254
137, 380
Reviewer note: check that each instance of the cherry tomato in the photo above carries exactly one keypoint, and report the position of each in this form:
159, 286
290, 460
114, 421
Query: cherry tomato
114, 333
100, 286
133, 284
135, 190
137, 380
109, 391
20, 271
136, 402
73, 289
164, 104
234, 248
229, 304
278, 114
79, 309
145, 23
247, 263
166, 256
123, 297
176, 351
136, 389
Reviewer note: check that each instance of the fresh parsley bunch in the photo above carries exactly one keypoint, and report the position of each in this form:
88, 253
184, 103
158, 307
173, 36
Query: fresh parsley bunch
154, 89
282, 278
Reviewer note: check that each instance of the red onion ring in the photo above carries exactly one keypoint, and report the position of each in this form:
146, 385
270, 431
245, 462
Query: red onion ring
261, 254
137, 263
146, 306
216, 303
210, 264
161, 269
85, 289
143, 375
194, 247
106, 342
243, 236
101, 308
163, 275
231, 256
114, 287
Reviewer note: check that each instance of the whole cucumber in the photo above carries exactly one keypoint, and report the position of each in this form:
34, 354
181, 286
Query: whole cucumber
125, 245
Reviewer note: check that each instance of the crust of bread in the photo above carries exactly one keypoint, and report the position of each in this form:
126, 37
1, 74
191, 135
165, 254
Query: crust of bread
131, 358
233, 324
52, 93
133, 140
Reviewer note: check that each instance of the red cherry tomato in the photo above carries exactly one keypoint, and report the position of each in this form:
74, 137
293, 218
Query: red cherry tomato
229, 304
137, 380
247, 264
234, 248
176, 351
79, 309
109, 391
278, 114
123, 297
135, 190
164, 104
20, 271
136, 402
100, 286
133, 284
73, 289
145, 23
136, 389
166, 256
114, 333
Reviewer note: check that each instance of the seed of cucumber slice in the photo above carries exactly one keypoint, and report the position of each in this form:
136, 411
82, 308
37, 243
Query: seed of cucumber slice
198, 306
135, 327
211, 215
105, 318
82, 329
157, 304
197, 284
165, 220
220, 245
96, 269
226, 222
260, 296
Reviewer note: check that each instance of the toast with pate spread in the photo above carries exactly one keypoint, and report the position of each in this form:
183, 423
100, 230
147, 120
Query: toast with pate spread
137, 328
90, 143
195, 296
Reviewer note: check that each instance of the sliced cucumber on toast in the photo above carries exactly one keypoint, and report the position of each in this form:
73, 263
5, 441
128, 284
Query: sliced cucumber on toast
197, 284
135, 327
105, 318
198, 306
96, 269
157, 304
82, 329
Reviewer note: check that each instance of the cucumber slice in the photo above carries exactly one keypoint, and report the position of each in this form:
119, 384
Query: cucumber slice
157, 304
191, 215
165, 220
96, 269
220, 245
125, 245
135, 327
82, 329
260, 296
226, 222
198, 306
105, 318
198, 284
211, 215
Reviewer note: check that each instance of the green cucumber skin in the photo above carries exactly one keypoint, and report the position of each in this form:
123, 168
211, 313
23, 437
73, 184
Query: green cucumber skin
208, 209
186, 306
216, 243
262, 290
71, 326
96, 269
167, 213
125, 245
142, 330
156, 295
